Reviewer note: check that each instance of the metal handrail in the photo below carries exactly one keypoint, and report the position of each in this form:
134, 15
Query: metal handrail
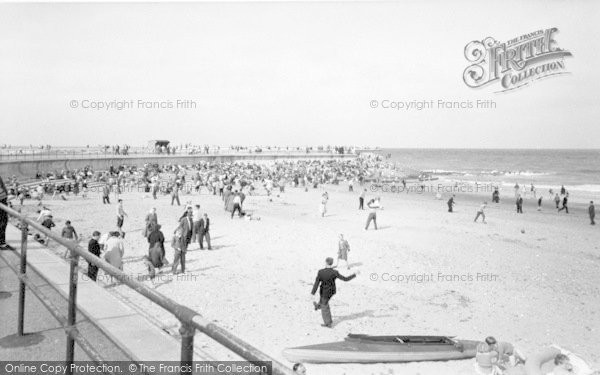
35, 155
190, 320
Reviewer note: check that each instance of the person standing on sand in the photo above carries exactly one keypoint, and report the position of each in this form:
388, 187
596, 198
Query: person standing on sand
451, 203
557, 200
237, 204
592, 213
94, 248
481, 212
106, 194
204, 232
184, 234
540, 203
175, 194
374, 205
196, 229
3, 216
564, 204
323, 205
343, 250
563, 191
120, 215
325, 281
69, 233
520, 204
361, 200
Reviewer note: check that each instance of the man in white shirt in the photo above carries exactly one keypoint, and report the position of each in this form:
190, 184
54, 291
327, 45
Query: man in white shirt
196, 228
120, 215
237, 204
481, 212
374, 205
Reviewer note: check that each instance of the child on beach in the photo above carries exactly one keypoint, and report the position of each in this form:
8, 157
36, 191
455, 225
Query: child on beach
343, 249
481, 212
323, 205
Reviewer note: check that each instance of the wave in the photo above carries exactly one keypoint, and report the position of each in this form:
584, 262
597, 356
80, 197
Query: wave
443, 172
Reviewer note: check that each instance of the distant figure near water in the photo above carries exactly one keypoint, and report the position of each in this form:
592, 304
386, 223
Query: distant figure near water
564, 204
451, 203
519, 204
481, 212
592, 213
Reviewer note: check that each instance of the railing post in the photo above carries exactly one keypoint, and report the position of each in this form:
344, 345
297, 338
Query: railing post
71, 318
21, 318
187, 332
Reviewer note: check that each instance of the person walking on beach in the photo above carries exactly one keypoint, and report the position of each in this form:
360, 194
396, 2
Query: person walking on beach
592, 213
237, 204
563, 191
3, 216
69, 233
106, 194
184, 232
481, 212
564, 204
374, 205
540, 203
520, 204
156, 251
120, 215
451, 203
94, 248
557, 200
361, 200
175, 195
325, 281
343, 249
204, 232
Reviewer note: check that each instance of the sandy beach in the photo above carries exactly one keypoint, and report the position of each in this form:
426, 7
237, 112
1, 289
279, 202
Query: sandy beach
530, 279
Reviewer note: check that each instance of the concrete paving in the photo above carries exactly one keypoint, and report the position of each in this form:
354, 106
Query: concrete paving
133, 333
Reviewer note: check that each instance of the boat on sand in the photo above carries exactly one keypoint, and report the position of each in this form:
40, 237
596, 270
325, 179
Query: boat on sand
384, 349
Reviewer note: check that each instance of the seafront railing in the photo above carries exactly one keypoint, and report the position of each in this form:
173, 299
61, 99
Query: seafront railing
34, 154
190, 320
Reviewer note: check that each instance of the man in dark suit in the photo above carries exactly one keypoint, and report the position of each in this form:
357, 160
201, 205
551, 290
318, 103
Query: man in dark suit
186, 225
94, 248
326, 279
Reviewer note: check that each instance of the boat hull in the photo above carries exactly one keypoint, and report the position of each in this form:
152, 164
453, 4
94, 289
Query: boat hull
360, 351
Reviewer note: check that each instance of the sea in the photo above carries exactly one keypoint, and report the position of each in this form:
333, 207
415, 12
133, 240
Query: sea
577, 170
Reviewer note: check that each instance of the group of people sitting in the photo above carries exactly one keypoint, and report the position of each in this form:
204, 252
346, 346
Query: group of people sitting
501, 358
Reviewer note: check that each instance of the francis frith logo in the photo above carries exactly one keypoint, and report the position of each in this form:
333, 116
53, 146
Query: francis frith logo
515, 63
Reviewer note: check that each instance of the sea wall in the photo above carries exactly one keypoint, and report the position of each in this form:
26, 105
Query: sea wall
27, 169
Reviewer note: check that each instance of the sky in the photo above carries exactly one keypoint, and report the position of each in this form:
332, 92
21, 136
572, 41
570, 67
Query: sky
289, 73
